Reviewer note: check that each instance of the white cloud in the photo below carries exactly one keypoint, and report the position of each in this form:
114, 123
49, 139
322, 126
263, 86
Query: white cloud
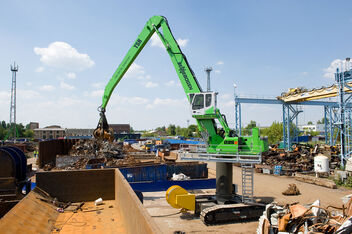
138, 100
230, 103
171, 83
220, 63
156, 42
27, 94
5, 97
97, 93
330, 71
39, 69
167, 102
67, 101
217, 71
225, 96
98, 85
123, 100
304, 73
151, 84
29, 83
63, 56
47, 88
135, 71
66, 86
182, 42
71, 75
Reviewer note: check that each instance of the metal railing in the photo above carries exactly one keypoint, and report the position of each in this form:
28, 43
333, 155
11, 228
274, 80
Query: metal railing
246, 154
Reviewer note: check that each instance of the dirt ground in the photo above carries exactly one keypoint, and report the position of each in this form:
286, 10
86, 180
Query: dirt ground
266, 187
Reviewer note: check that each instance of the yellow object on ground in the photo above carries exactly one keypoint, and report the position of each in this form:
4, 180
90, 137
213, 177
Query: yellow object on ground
179, 198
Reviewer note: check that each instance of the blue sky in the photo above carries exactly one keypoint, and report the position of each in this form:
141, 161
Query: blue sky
68, 50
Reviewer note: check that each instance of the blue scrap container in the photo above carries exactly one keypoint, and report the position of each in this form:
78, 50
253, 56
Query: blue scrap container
193, 170
277, 170
145, 173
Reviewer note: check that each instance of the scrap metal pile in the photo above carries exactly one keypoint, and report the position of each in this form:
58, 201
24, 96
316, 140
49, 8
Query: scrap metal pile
301, 158
90, 154
313, 218
97, 148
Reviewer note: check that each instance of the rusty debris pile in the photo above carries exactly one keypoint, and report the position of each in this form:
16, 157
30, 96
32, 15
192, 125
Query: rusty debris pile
97, 148
93, 154
313, 218
292, 190
301, 158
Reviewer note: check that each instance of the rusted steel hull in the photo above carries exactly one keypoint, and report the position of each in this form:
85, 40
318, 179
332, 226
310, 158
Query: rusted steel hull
121, 211
49, 149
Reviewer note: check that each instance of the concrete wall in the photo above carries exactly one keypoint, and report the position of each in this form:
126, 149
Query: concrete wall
135, 216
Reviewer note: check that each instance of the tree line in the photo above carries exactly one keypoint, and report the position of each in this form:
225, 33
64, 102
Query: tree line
173, 130
274, 132
6, 131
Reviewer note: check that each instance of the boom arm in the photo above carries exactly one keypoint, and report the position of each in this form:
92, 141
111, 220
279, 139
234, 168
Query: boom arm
184, 72
206, 122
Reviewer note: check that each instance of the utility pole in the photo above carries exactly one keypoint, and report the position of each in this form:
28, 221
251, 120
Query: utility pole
208, 70
14, 70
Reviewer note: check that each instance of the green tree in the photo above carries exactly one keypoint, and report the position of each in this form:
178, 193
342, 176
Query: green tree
3, 133
193, 131
248, 129
161, 129
178, 131
322, 121
28, 133
313, 133
310, 123
274, 132
171, 130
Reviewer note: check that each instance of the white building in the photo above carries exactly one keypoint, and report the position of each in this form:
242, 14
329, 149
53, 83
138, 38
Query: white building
313, 127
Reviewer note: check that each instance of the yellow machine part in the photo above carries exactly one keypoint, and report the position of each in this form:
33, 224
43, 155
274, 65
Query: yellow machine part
179, 198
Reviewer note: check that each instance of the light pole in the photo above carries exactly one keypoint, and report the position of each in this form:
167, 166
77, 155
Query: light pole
237, 112
208, 70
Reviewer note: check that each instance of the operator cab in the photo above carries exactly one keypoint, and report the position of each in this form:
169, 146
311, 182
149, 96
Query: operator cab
203, 103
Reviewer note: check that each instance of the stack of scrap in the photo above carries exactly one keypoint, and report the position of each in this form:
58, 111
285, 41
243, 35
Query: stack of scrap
296, 218
97, 148
301, 158
94, 154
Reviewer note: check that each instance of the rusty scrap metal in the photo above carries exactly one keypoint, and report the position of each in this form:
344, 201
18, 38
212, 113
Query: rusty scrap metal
96, 153
292, 190
301, 158
97, 148
306, 219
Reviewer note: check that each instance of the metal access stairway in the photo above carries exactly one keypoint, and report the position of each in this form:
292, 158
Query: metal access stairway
247, 182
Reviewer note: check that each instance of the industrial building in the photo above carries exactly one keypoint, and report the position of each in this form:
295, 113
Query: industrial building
49, 132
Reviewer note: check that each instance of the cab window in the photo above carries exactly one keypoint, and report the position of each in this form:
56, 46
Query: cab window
191, 97
207, 100
198, 102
